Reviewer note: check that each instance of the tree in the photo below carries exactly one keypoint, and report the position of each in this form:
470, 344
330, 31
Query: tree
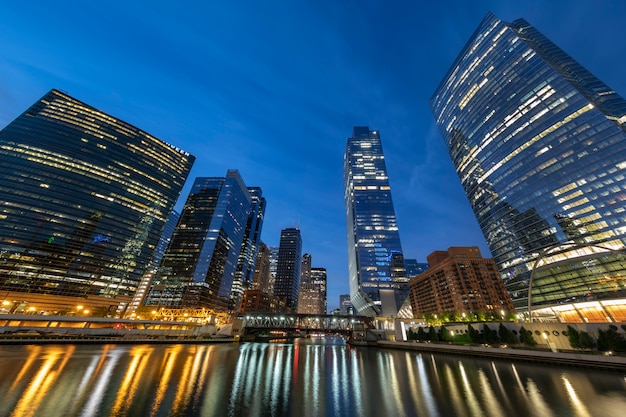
506, 336
445, 334
573, 337
585, 340
526, 337
611, 340
489, 335
421, 334
432, 334
474, 335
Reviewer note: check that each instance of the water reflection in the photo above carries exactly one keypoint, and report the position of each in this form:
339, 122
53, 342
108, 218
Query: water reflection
309, 378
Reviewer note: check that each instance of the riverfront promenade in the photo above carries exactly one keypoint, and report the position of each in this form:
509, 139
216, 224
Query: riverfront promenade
596, 361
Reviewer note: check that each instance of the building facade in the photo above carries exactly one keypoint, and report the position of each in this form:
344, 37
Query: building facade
538, 143
414, 268
244, 274
460, 281
319, 279
261, 279
345, 305
199, 265
378, 283
85, 197
287, 284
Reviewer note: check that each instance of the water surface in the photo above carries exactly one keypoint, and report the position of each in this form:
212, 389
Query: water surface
313, 377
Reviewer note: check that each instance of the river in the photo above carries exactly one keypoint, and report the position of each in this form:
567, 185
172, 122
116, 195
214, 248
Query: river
311, 377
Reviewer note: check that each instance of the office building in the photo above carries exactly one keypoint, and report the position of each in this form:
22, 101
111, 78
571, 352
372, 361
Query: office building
287, 284
144, 286
414, 268
345, 305
261, 280
319, 279
84, 199
257, 301
273, 268
539, 145
312, 297
378, 283
199, 265
460, 281
249, 249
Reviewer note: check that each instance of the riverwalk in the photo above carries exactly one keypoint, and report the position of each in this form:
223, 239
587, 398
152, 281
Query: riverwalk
585, 360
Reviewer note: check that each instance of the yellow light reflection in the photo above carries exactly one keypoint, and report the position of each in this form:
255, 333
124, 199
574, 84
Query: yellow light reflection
132, 379
472, 402
35, 351
168, 366
42, 382
577, 404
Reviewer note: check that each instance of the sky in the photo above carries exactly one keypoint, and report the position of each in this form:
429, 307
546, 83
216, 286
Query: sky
274, 88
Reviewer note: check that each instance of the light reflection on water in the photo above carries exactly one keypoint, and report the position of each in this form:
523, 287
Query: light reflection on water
313, 377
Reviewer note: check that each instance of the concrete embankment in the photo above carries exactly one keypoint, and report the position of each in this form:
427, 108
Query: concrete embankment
110, 340
613, 363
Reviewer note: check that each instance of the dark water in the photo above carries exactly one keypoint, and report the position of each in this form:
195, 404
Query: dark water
315, 377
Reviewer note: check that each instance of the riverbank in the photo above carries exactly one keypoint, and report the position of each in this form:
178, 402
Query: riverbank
612, 363
90, 340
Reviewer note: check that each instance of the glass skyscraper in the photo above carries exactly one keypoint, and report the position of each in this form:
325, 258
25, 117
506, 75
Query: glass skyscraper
539, 145
288, 267
250, 247
378, 283
198, 267
84, 198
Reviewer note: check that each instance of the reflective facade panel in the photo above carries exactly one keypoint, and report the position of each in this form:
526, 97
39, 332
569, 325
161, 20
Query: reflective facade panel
198, 267
539, 145
378, 283
84, 198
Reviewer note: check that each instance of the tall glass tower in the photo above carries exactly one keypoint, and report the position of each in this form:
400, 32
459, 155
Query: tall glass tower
198, 267
287, 283
539, 145
378, 283
84, 198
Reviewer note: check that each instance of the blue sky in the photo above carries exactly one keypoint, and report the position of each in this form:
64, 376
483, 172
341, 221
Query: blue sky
273, 89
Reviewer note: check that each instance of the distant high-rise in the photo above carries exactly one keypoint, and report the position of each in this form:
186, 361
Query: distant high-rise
414, 268
84, 199
378, 283
273, 268
312, 297
262, 274
539, 145
305, 269
198, 268
287, 284
319, 279
250, 247
345, 305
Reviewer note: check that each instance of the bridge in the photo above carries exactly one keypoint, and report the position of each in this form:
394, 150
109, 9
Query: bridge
281, 326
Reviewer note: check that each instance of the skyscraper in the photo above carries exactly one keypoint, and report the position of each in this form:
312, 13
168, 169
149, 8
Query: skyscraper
250, 247
378, 284
320, 279
287, 284
539, 145
312, 297
262, 273
85, 197
198, 268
